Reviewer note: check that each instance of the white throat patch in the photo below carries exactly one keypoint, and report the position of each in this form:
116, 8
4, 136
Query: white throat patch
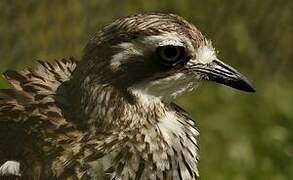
165, 89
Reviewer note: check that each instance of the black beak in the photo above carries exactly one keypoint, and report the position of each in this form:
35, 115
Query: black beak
220, 72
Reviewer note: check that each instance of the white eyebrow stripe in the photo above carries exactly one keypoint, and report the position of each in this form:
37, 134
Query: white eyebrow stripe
142, 45
163, 39
127, 49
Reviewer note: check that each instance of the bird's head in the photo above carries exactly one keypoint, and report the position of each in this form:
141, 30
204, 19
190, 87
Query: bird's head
156, 55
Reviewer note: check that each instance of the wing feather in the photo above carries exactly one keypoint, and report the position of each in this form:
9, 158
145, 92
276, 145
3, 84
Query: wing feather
30, 110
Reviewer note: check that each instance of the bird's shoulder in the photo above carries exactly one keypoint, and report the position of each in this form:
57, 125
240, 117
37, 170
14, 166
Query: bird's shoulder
31, 101
34, 88
30, 106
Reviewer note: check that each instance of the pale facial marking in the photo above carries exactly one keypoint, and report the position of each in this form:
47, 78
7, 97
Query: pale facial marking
170, 87
163, 40
128, 49
143, 45
206, 54
166, 89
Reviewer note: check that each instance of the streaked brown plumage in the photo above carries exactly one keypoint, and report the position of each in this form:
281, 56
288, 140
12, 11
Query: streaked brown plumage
111, 116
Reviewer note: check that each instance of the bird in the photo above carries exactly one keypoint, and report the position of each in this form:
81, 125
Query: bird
111, 115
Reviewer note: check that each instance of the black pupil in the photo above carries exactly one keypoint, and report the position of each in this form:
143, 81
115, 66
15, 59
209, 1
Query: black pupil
171, 52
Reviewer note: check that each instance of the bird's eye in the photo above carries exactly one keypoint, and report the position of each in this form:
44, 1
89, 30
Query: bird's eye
170, 54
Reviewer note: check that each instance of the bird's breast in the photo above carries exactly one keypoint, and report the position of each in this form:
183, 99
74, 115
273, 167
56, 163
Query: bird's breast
164, 150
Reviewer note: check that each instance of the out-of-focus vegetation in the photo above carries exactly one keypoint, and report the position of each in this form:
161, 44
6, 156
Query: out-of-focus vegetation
243, 136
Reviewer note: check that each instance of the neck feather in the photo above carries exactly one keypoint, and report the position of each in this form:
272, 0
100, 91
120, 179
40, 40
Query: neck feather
103, 107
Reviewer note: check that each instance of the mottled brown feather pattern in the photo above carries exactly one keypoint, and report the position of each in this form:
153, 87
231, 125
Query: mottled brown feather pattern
78, 122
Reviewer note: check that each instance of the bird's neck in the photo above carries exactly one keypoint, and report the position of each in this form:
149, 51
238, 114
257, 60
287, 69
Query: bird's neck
103, 107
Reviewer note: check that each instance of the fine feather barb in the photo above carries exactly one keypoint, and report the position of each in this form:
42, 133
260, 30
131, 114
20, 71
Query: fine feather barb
15, 79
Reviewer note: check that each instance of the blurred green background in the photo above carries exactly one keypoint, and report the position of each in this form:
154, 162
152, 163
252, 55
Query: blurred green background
243, 136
